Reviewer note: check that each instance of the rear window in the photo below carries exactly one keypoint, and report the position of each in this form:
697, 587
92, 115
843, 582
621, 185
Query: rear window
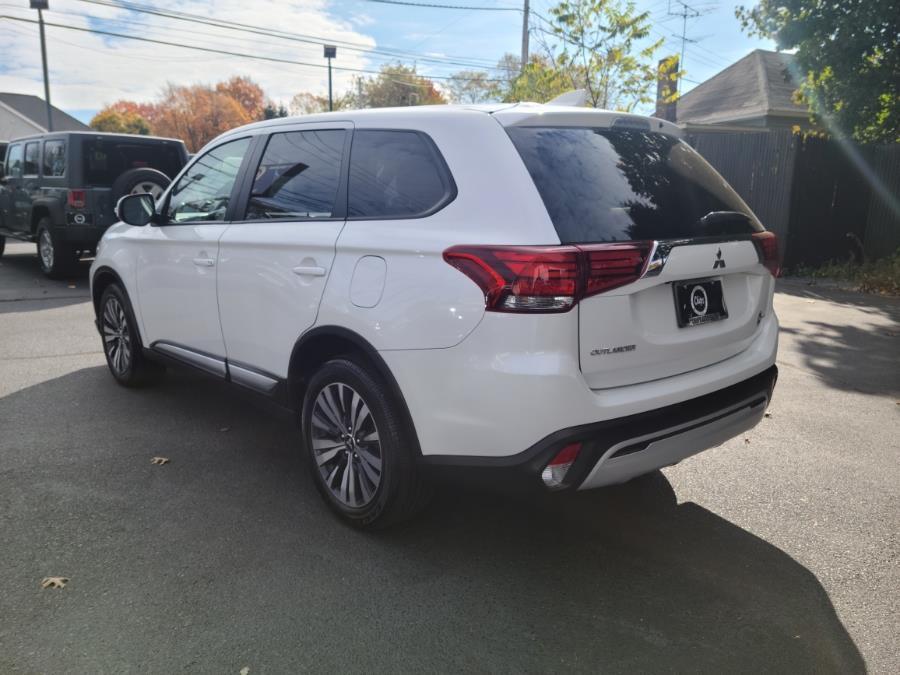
396, 174
625, 184
104, 160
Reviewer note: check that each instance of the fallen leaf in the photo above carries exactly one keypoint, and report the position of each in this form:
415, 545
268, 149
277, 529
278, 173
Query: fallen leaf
747, 441
159, 460
225, 429
54, 582
245, 670
890, 333
71, 285
810, 301
767, 415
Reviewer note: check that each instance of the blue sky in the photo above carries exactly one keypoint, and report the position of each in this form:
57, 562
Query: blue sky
89, 70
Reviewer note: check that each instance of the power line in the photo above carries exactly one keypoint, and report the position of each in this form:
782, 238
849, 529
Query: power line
224, 52
482, 64
429, 5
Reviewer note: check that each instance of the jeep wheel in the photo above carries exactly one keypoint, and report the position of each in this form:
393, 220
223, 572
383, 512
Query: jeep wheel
360, 451
140, 181
57, 258
2, 245
121, 341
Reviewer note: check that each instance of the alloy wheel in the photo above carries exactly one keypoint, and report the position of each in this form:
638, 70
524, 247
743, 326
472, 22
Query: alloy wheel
147, 187
45, 249
346, 445
116, 336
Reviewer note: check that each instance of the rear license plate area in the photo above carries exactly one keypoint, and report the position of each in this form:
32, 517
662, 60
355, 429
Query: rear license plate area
699, 301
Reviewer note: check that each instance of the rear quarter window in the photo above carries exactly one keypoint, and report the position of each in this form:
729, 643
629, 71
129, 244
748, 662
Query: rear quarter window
396, 174
54, 158
602, 185
105, 159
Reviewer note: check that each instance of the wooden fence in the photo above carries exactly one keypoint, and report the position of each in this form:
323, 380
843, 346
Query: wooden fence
825, 200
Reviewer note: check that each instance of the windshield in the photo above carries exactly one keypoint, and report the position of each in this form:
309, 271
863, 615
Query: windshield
624, 184
105, 160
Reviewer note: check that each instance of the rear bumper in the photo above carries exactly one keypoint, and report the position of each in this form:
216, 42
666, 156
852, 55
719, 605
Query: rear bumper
614, 451
80, 235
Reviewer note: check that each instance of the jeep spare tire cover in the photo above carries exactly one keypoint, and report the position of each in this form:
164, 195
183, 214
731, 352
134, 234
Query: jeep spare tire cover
135, 181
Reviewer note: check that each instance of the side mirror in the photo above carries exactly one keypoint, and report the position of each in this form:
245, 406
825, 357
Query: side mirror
137, 210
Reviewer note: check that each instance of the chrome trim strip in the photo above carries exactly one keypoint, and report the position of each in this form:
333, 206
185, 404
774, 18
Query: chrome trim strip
252, 379
210, 364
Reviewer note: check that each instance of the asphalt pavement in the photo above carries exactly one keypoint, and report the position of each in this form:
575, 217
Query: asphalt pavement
776, 552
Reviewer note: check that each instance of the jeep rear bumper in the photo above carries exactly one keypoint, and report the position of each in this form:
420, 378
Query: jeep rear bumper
614, 451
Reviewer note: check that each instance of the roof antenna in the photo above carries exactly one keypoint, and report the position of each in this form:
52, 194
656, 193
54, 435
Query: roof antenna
576, 98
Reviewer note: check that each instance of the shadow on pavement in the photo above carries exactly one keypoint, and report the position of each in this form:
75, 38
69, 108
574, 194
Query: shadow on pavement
23, 287
225, 557
859, 357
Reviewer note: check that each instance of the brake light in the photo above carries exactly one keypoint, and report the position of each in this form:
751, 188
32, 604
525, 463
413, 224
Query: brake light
548, 278
767, 247
77, 199
555, 471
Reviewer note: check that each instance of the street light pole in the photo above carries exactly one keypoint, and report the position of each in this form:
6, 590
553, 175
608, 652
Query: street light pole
526, 10
330, 53
41, 5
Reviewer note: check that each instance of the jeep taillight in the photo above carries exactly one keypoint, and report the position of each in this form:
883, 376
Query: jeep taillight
77, 199
548, 278
767, 247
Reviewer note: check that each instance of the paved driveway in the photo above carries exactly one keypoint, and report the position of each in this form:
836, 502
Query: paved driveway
775, 552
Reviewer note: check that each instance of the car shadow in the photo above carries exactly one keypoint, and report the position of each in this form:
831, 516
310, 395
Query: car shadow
24, 288
856, 357
226, 556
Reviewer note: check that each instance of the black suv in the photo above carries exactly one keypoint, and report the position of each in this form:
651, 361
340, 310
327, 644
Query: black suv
60, 189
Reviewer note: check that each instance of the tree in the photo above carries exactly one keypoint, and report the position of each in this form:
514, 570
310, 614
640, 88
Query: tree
273, 110
602, 48
115, 121
196, 114
472, 86
398, 85
247, 93
540, 81
848, 58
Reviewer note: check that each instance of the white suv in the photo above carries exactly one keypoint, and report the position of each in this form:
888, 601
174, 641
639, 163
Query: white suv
553, 296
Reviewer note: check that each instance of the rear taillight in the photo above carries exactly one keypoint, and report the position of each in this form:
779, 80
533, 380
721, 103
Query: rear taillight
767, 246
555, 472
76, 199
548, 278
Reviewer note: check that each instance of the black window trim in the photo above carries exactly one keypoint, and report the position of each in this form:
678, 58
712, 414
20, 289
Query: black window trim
242, 203
40, 158
450, 190
239, 177
58, 139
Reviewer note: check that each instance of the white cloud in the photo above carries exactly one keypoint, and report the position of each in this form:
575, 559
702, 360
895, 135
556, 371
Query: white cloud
88, 70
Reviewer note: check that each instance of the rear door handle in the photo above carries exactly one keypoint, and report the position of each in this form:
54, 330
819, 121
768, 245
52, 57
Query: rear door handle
311, 271
204, 262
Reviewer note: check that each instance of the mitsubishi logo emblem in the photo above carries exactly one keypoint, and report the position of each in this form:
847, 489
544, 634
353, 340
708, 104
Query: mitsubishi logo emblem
719, 262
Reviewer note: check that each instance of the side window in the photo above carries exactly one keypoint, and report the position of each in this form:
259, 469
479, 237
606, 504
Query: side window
202, 194
55, 158
298, 175
32, 158
395, 174
14, 161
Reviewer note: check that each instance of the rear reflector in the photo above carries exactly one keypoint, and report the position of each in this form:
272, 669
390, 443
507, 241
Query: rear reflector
555, 472
548, 278
76, 199
767, 246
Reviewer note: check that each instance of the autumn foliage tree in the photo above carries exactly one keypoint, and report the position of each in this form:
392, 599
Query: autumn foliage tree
195, 114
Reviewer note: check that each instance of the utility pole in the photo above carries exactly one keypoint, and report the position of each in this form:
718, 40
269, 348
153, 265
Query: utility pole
526, 10
687, 12
41, 5
330, 53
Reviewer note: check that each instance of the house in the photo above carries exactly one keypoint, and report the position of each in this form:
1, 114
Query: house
754, 93
23, 114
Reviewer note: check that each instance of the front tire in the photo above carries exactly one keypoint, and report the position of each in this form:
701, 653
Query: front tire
360, 451
121, 341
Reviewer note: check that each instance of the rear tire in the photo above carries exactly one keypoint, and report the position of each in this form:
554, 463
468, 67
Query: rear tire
121, 341
2, 245
363, 460
57, 258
